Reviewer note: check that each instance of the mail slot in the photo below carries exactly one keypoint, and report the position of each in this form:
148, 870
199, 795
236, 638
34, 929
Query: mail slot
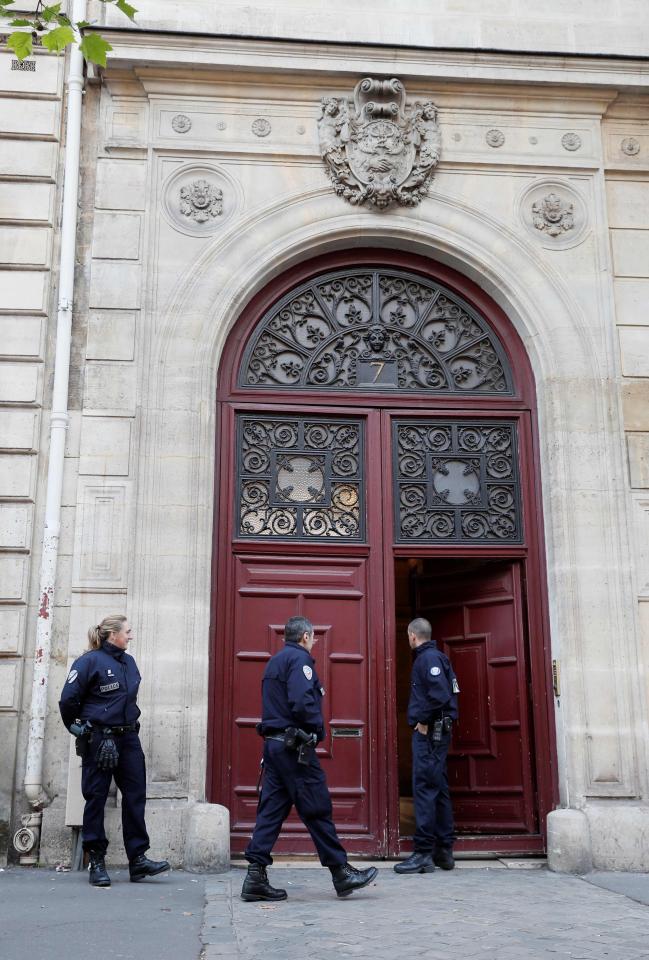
346, 732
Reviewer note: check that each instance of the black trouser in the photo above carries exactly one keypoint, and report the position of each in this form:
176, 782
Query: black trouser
433, 810
130, 777
286, 782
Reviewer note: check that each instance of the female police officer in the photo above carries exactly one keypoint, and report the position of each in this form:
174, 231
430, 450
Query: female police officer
99, 706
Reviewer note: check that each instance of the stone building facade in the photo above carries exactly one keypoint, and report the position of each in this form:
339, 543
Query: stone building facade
204, 199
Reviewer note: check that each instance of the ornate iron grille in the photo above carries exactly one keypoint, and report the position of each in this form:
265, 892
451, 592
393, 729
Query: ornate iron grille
375, 330
300, 478
456, 482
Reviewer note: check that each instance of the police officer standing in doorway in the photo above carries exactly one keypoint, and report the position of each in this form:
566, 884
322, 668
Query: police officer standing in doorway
292, 725
99, 707
431, 710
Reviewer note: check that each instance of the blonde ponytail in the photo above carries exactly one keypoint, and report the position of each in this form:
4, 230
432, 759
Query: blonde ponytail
97, 635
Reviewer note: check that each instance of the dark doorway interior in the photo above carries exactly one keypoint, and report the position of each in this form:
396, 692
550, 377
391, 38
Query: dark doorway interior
476, 609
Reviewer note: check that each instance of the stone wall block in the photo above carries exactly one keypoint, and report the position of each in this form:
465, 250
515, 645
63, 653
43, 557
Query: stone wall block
19, 429
110, 387
25, 246
13, 578
27, 201
628, 204
12, 629
28, 159
21, 336
638, 447
24, 291
17, 476
114, 285
207, 840
105, 446
116, 236
111, 335
635, 404
15, 526
569, 847
634, 351
630, 252
619, 836
9, 679
102, 547
44, 80
131, 177
36, 118
631, 299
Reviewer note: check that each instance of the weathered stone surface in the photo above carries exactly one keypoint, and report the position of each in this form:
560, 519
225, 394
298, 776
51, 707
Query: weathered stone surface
19, 429
207, 839
638, 447
131, 177
634, 351
569, 846
105, 446
630, 252
27, 201
631, 298
114, 285
635, 400
111, 335
116, 236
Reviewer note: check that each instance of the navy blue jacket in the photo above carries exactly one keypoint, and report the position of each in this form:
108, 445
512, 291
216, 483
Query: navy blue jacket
291, 693
101, 687
431, 686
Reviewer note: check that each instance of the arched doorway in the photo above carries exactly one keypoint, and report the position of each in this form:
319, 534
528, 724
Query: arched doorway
377, 444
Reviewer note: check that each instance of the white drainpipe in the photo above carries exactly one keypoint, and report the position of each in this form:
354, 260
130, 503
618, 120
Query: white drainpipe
58, 429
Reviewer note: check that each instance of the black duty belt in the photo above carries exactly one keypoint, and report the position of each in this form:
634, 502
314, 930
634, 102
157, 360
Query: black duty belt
118, 731
274, 736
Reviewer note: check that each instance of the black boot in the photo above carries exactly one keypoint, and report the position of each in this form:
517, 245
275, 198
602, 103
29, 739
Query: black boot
257, 887
347, 878
141, 867
97, 875
416, 863
444, 858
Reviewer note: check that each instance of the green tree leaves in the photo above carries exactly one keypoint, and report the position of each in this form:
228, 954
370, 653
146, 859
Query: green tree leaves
94, 48
55, 31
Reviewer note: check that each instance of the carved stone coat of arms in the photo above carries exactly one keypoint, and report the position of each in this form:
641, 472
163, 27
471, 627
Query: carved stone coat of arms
377, 153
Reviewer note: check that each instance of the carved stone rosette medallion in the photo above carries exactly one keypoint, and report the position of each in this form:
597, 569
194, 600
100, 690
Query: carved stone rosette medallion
631, 146
553, 215
376, 152
200, 201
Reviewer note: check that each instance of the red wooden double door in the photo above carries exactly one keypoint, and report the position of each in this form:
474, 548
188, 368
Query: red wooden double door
360, 513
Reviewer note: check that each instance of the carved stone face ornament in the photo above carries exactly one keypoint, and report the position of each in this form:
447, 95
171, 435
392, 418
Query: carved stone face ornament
377, 153
553, 215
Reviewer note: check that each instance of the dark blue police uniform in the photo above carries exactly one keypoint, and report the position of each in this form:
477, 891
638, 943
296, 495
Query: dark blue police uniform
291, 697
432, 697
102, 687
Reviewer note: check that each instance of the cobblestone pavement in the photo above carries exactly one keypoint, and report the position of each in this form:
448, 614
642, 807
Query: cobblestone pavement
508, 914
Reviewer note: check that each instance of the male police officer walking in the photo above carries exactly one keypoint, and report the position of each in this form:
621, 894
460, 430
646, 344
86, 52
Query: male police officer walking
99, 707
431, 710
292, 725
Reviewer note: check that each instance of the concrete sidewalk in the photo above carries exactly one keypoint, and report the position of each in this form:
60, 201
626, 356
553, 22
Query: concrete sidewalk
500, 910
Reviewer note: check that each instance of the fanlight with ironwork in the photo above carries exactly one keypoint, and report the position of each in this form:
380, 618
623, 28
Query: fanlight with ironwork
375, 329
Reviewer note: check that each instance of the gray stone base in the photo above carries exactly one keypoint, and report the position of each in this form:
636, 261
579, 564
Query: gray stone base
207, 841
605, 835
165, 820
619, 831
569, 849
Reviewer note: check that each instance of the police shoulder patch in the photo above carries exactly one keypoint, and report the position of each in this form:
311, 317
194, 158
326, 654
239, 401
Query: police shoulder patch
307, 671
72, 676
435, 671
